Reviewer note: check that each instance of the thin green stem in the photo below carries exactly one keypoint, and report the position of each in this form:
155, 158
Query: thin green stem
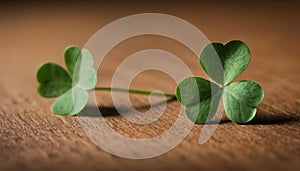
133, 91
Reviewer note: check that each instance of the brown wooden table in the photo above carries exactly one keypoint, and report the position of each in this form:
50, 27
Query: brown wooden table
32, 138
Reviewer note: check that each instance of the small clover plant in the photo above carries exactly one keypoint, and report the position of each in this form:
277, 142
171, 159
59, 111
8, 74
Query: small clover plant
69, 86
240, 98
201, 101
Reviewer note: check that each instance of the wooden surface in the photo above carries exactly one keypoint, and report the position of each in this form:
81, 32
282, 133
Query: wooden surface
32, 138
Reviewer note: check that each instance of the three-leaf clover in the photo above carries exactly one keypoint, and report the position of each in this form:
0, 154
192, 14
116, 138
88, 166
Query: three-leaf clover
222, 63
69, 86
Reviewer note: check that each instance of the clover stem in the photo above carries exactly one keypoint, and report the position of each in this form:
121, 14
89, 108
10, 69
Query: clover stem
133, 91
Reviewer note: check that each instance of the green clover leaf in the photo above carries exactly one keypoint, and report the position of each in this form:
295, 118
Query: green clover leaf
188, 92
70, 87
234, 57
201, 97
241, 99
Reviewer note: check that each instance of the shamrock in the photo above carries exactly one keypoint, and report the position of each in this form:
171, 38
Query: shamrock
69, 86
201, 97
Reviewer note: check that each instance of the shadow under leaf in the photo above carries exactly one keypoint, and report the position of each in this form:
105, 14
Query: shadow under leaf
106, 111
261, 117
268, 118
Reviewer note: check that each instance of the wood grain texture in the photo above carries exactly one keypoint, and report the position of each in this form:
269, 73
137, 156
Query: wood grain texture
32, 138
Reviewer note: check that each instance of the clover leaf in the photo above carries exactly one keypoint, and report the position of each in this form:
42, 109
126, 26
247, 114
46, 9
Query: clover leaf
241, 99
201, 97
70, 87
